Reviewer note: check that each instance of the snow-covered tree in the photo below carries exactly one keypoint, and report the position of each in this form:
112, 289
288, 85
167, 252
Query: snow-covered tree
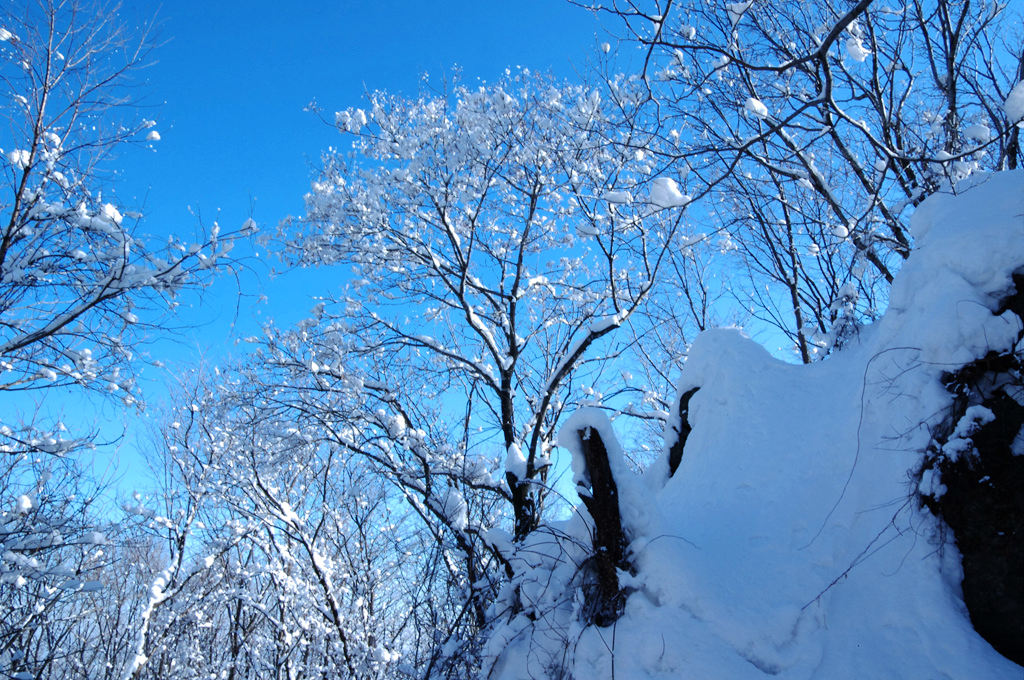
275, 555
490, 244
495, 235
78, 280
814, 128
79, 289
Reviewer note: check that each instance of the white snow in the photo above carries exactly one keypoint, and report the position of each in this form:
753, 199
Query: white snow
973, 418
756, 107
455, 509
568, 438
515, 462
603, 323
153, 136
1014, 105
618, 197
111, 214
352, 120
5, 35
23, 504
499, 539
978, 133
19, 158
736, 11
540, 280
665, 193
94, 538
855, 49
787, 544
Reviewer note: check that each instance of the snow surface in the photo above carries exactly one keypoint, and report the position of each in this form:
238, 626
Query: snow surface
23, 504
515, 461
789, 542
568, 438
19, 158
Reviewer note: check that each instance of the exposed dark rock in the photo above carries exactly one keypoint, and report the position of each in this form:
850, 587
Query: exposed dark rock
983, 500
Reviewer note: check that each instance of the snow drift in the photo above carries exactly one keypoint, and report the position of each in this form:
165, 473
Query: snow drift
791, 540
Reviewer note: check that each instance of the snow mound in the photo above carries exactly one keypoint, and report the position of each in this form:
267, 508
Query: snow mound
789, 542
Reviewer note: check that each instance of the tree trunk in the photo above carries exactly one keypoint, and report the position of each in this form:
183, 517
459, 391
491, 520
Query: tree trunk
606, 600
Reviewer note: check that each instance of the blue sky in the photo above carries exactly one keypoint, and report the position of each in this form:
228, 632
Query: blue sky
231, 79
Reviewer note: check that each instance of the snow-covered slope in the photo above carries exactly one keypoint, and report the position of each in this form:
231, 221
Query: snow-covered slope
790, 541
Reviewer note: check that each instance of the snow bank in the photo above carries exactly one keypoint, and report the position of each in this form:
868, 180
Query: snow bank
789, 543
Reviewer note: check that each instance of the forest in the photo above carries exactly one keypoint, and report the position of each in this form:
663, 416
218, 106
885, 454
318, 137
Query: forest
524, 431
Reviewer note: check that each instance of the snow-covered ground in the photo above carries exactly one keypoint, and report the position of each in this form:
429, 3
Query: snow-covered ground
790, 541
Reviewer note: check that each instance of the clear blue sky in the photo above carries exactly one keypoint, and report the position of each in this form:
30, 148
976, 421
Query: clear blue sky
231, 80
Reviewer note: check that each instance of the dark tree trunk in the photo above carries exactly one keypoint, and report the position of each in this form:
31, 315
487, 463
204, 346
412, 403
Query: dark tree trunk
606, 600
